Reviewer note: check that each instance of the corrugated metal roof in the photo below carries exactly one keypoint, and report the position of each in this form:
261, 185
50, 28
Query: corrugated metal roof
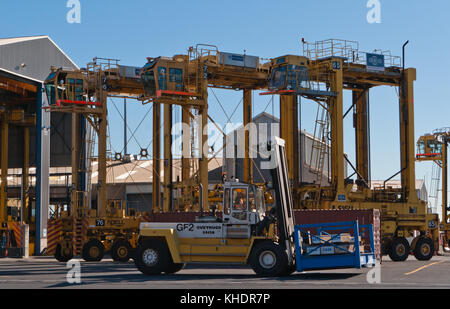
141, 171
136, 172
32, 56
21, 39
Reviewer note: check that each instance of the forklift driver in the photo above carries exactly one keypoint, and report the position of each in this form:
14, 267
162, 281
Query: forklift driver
240, 199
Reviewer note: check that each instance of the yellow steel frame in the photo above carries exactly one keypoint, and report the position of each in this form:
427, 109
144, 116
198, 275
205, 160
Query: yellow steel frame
402, 211
439, 155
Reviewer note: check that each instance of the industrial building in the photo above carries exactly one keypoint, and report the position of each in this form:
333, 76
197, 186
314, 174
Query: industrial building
308, 172
31, 140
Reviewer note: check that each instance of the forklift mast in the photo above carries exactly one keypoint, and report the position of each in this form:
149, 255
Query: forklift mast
283, 194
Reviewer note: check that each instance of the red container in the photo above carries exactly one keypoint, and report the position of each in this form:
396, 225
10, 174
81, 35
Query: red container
178, 216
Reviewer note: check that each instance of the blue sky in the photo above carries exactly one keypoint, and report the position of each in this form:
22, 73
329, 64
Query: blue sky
132, 30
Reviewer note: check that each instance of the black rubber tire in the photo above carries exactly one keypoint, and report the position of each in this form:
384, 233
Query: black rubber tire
279, 265
424, 249
386, 246
399, 249
160, 253
173, 268
89, 247
118, 250
290, 269
60, 257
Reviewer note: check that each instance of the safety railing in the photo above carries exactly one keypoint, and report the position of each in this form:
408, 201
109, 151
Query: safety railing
345, 49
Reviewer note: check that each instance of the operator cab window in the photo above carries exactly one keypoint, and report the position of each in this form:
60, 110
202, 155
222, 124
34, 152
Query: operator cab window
251, 199
278, 80
240, 199
162, 78
421, 147
226, 202
149, 83
176, 76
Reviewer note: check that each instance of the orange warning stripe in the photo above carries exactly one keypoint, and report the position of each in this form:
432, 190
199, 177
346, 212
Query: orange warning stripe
54, 228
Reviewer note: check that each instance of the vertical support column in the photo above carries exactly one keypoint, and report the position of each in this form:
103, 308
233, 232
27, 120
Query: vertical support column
203, 149
337, 130
4, 168
42, 171
289, 132
102, 185
25, 176
247, 103
445, 211
168, 166
360, 123
156, 193
295, 145
407, 143
125, 127
74, 161
186, 154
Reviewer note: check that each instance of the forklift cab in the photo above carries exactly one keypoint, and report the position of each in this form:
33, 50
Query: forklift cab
243, 207
164, 74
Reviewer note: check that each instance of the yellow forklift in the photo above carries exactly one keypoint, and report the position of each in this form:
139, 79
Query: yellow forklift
246, 234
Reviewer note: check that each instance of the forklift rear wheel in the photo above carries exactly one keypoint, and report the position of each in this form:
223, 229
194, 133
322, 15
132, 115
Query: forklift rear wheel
121, 251
93, 251
424, 249
63, 255
268, 260
152, 257
399, 249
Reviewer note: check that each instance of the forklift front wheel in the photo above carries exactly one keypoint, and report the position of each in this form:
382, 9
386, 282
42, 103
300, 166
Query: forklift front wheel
268, 260
174, 268
152, 257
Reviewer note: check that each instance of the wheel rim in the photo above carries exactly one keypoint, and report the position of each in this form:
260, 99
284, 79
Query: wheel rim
400, 249
94, 251
150, 257
66, 252
267, 259
425, 249
122, 252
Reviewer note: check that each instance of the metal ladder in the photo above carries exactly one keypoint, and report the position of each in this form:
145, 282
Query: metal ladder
434, 187
90, 142
319, 148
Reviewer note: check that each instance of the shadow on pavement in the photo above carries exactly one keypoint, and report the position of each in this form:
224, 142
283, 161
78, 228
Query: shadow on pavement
140, 278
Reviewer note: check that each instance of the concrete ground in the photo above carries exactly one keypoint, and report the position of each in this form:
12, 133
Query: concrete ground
45, 272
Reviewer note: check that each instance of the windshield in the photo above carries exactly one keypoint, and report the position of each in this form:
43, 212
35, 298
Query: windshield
148, 79
51, 94
278, 78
